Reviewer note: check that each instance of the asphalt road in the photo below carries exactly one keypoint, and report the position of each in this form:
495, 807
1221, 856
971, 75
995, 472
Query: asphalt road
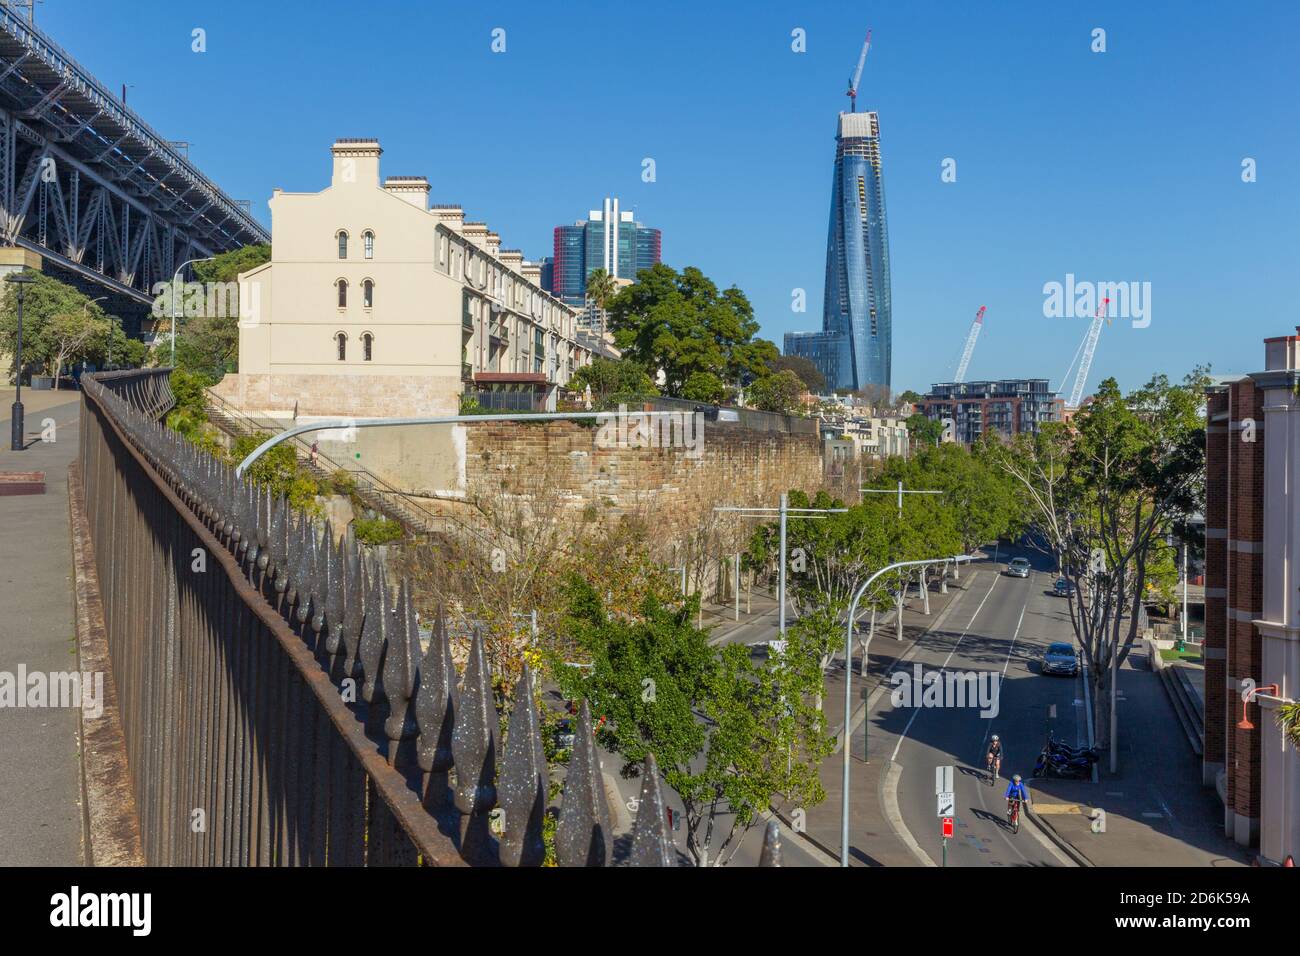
998, 633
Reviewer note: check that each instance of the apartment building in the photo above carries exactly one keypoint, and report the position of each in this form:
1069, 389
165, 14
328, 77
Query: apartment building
1006, 407
1252, 600
377, 304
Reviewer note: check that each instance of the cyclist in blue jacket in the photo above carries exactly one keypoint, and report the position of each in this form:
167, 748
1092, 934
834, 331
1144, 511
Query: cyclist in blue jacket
1017, 791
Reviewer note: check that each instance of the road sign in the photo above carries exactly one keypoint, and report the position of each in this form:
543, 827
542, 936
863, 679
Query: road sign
943, 780
947, 827
945, 804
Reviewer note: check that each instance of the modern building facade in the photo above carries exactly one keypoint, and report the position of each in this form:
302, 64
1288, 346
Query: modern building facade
1006, 407
1252, 600
609, 239
855, 347
377, 304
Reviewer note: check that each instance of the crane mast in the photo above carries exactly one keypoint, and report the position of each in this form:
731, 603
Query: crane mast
1085, 361
857, 75
970, 346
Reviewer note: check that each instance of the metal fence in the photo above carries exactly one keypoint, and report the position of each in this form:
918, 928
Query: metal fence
277, 705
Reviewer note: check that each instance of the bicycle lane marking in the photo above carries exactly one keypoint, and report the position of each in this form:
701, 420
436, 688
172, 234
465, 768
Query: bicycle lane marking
969, 624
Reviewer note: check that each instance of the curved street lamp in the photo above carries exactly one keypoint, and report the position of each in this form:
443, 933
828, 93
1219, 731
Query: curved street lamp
848, 682
175, 279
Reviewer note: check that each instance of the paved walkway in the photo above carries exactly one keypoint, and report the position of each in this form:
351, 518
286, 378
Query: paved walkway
1156, 811
40, 810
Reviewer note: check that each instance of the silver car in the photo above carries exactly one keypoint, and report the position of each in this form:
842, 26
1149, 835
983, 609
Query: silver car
1018, 568
1060, 658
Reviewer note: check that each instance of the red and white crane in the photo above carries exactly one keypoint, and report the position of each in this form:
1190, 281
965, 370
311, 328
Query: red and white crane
969, 350
857, 75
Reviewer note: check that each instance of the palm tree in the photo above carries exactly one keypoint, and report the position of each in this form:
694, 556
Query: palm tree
600, 289
1288, 718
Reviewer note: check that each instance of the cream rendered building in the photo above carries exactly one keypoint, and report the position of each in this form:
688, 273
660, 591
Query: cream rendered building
375, 304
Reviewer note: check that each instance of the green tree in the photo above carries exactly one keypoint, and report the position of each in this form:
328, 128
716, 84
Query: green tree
779, 392
808, 372
681, 324
607, 377
979, 496
61, 326
909, 397
600, 288
1101, 494
729, 734
278, 469
923, 431
207, 334
704, 387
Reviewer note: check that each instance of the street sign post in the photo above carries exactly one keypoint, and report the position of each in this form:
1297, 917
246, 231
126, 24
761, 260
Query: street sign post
943, 791
943, 780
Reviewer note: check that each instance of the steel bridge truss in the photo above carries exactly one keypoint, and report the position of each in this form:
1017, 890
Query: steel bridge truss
86, 183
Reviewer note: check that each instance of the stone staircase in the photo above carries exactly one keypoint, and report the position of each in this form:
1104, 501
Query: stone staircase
1187, 702
371, 490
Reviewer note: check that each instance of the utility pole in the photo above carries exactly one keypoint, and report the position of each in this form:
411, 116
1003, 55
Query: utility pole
898, 617
784, 511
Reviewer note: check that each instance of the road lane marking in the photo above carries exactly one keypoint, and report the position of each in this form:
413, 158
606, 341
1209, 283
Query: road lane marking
989, 720
969, 625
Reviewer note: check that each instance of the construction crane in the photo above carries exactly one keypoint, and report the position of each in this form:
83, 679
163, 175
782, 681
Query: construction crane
1087, 347
857, 75
969, 350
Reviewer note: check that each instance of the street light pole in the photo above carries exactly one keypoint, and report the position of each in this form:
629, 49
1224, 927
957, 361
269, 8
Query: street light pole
848, 687
902, 593
784, 511
16, 429
785, 502
175, 279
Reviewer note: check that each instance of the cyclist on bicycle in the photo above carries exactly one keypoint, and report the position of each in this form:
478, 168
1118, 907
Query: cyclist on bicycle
995, 755
1017, 792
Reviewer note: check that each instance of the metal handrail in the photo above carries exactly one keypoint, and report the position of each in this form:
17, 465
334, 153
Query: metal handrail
379, 486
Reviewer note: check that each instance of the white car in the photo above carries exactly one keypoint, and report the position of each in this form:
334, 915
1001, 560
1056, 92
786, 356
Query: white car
1018, 568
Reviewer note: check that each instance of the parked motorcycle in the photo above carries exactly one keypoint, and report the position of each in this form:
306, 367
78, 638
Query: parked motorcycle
1060, 765
1056, 747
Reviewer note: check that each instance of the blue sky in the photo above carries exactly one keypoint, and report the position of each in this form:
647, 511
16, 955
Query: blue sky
1115, 166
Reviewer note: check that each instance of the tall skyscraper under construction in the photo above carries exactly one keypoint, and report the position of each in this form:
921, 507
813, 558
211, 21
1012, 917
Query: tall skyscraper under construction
854, 348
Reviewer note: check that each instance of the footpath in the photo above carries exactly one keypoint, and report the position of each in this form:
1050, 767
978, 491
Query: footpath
40, 787
1154, 809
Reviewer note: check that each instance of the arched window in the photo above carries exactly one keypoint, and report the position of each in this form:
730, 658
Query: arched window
343, 293
342, 340
368, 294
367, 342
343, 244
368, 239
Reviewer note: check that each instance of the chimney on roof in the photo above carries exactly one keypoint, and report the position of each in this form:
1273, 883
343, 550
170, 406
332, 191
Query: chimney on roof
413, 189
451, 215
356, 161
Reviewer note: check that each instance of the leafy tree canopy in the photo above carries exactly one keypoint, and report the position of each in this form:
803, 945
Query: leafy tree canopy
682, 324
803, 367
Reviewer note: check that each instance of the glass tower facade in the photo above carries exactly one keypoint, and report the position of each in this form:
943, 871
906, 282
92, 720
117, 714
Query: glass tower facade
609, 239
855, 347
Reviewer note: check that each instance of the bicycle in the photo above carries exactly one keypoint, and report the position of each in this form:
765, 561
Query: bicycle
992, 768
1013, 815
